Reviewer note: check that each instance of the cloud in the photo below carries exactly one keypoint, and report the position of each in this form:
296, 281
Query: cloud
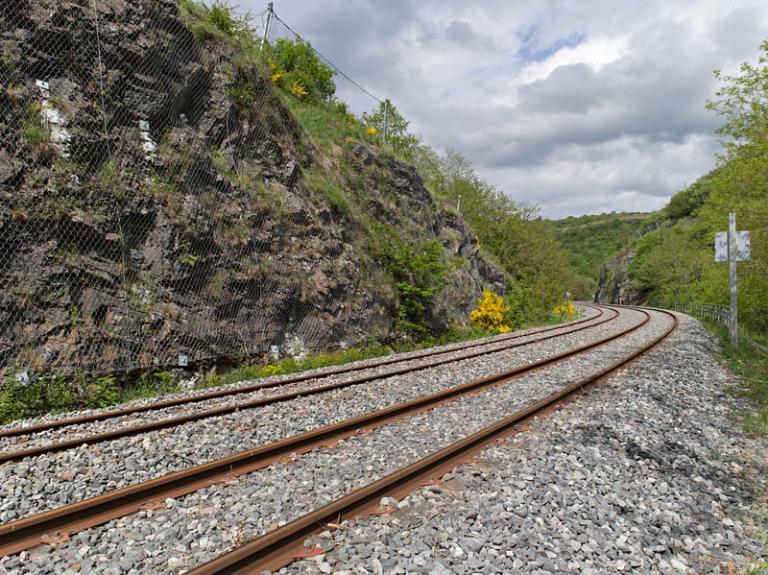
593, 54
578, 107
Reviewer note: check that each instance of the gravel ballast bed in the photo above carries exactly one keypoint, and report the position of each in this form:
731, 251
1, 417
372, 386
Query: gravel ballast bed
60, 478
646, 474
197, 527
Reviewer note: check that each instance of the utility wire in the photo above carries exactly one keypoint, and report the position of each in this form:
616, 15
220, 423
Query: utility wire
327, 61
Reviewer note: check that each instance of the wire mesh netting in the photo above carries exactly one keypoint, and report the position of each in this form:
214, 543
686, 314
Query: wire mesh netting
152, 212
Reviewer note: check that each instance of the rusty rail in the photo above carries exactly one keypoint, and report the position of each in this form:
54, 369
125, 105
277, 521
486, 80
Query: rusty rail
48, 425
279, 547
128, 431
52, 525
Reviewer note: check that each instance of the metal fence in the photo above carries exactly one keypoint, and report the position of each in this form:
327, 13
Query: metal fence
151, 210
718, 314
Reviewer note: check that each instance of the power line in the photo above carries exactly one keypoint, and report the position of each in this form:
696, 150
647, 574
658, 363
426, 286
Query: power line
326, 60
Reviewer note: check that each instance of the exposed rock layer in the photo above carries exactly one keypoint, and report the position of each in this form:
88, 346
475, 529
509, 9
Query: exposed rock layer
175, 223
614, 284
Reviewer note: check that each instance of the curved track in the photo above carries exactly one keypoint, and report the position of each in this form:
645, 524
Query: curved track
488, 348
47, 526
238, 390
279, 547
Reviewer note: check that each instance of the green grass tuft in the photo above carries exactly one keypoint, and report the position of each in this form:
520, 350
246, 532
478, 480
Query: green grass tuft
757, 568
751, 365
33, 130
330, 189
328, 123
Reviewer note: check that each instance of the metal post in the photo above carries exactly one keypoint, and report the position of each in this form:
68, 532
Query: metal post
733, 324
386, 119
266, 26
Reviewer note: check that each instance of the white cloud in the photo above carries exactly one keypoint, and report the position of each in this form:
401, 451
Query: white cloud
576, 106
594, 53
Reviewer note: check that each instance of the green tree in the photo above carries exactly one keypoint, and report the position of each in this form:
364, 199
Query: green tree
677, 264
402, 142
524, 244
743, 102
297, 69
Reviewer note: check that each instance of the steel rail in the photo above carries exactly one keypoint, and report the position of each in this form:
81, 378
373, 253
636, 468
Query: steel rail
399, 358
51, 525
128, 431
279, 547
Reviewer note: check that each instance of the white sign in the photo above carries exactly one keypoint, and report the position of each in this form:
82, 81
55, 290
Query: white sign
742, 246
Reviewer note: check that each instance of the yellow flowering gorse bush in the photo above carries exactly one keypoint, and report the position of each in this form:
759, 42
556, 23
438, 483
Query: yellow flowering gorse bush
565, 309
490, 314
277, 77
297, 89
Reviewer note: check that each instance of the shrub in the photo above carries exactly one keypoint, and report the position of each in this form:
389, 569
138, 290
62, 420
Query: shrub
418, 271
565, 310
102, 392
399, 139
491, 314
38, 397
242, 93
298, 70
151, 385
54, 394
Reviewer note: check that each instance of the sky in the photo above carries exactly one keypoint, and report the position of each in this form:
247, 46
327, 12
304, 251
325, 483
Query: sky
575, 107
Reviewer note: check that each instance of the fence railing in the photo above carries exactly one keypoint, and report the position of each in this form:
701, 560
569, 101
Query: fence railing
720, 315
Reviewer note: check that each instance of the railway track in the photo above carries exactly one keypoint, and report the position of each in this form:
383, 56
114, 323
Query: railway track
279, 547
436, 358
275, 547
230, 391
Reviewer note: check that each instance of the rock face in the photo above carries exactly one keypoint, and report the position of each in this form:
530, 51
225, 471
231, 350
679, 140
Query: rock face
614, 284
154, 208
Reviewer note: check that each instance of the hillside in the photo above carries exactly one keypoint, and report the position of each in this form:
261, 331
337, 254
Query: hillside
674, 263
173, 210
590, 240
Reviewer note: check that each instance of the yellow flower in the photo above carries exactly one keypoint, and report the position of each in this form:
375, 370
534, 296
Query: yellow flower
566, 309
270, 370
371, 131
276, 76
297, 90
490, 313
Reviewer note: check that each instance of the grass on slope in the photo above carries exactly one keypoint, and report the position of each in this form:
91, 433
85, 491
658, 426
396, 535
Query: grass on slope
752, 367
750, 363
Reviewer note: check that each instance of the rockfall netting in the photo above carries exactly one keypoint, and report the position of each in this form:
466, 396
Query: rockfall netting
152, 212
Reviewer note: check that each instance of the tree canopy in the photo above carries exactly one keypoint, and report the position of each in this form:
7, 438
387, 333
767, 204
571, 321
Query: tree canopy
677, 263
399, 138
